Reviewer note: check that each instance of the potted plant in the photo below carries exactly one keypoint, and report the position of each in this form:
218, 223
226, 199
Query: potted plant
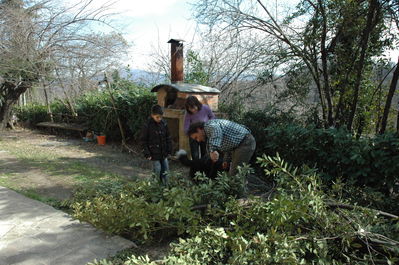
101, 133
101, 138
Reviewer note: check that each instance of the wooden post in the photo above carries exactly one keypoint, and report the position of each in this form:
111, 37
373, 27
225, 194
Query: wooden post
183, 138
179, 115
122, 131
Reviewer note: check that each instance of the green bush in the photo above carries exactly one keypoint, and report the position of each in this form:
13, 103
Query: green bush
372, 162
32, 113
298, 225
133, 105
366, 162
384, 161
259, 120
146, 209
95, 110
61, 113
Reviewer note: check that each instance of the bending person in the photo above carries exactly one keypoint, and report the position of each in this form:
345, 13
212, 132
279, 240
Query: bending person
233, 139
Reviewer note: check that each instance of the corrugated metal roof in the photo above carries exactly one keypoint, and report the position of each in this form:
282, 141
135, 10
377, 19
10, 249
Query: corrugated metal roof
188, 88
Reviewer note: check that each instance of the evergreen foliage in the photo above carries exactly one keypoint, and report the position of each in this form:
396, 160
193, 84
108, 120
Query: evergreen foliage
296, 226
367, 163
95, 110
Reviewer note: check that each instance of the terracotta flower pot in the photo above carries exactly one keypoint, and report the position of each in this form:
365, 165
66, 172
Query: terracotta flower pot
101, 139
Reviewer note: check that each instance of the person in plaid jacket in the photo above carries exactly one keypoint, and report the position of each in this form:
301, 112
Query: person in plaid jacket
234, 140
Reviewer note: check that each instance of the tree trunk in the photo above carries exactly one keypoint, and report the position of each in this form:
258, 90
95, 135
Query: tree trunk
397, 121
49, 112
372, 16
68, 101
69, 104
360, 126
324, 60
379, 91
388, 102
121, 129
10, 95
5, 113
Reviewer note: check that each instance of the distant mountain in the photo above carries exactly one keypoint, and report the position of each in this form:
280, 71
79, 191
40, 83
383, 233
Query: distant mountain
143, 77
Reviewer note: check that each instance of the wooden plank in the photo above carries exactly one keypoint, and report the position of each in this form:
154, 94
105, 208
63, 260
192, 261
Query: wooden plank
174, 113
65, 126
183, 138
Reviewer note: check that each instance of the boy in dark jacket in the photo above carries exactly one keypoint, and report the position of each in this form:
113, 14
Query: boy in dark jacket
156, 143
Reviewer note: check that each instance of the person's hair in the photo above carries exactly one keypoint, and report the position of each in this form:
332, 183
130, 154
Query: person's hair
191, 102
156, 109
194, 127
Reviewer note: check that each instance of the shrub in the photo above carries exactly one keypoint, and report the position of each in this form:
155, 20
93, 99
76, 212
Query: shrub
61, 113
32, 113
145, 209
366, 162
95, 109
133, 105
259, 120
298, 226
35, 113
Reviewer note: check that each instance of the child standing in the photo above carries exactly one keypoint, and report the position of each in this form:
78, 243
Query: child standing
196, 112
156, 143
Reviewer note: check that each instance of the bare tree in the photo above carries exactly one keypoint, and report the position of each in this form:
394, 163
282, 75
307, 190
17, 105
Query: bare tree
281, 39
88, 59
38, 37
333, 40
229, 56
225, 58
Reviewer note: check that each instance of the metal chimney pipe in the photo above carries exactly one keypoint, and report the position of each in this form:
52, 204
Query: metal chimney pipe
176, 54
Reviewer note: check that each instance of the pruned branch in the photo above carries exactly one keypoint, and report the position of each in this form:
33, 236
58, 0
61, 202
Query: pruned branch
351, 207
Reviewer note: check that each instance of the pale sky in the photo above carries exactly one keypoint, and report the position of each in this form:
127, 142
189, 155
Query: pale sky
147, 24
151, 23
156, 24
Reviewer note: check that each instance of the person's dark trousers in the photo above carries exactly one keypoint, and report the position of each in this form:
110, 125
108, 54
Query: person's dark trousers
197, 149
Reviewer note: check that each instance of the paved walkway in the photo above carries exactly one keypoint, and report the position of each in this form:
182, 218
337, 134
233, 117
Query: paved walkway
33, 233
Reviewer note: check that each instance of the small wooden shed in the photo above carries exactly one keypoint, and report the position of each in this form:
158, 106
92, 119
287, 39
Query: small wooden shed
172, 97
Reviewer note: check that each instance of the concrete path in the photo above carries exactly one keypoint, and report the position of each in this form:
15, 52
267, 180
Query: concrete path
33, 233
